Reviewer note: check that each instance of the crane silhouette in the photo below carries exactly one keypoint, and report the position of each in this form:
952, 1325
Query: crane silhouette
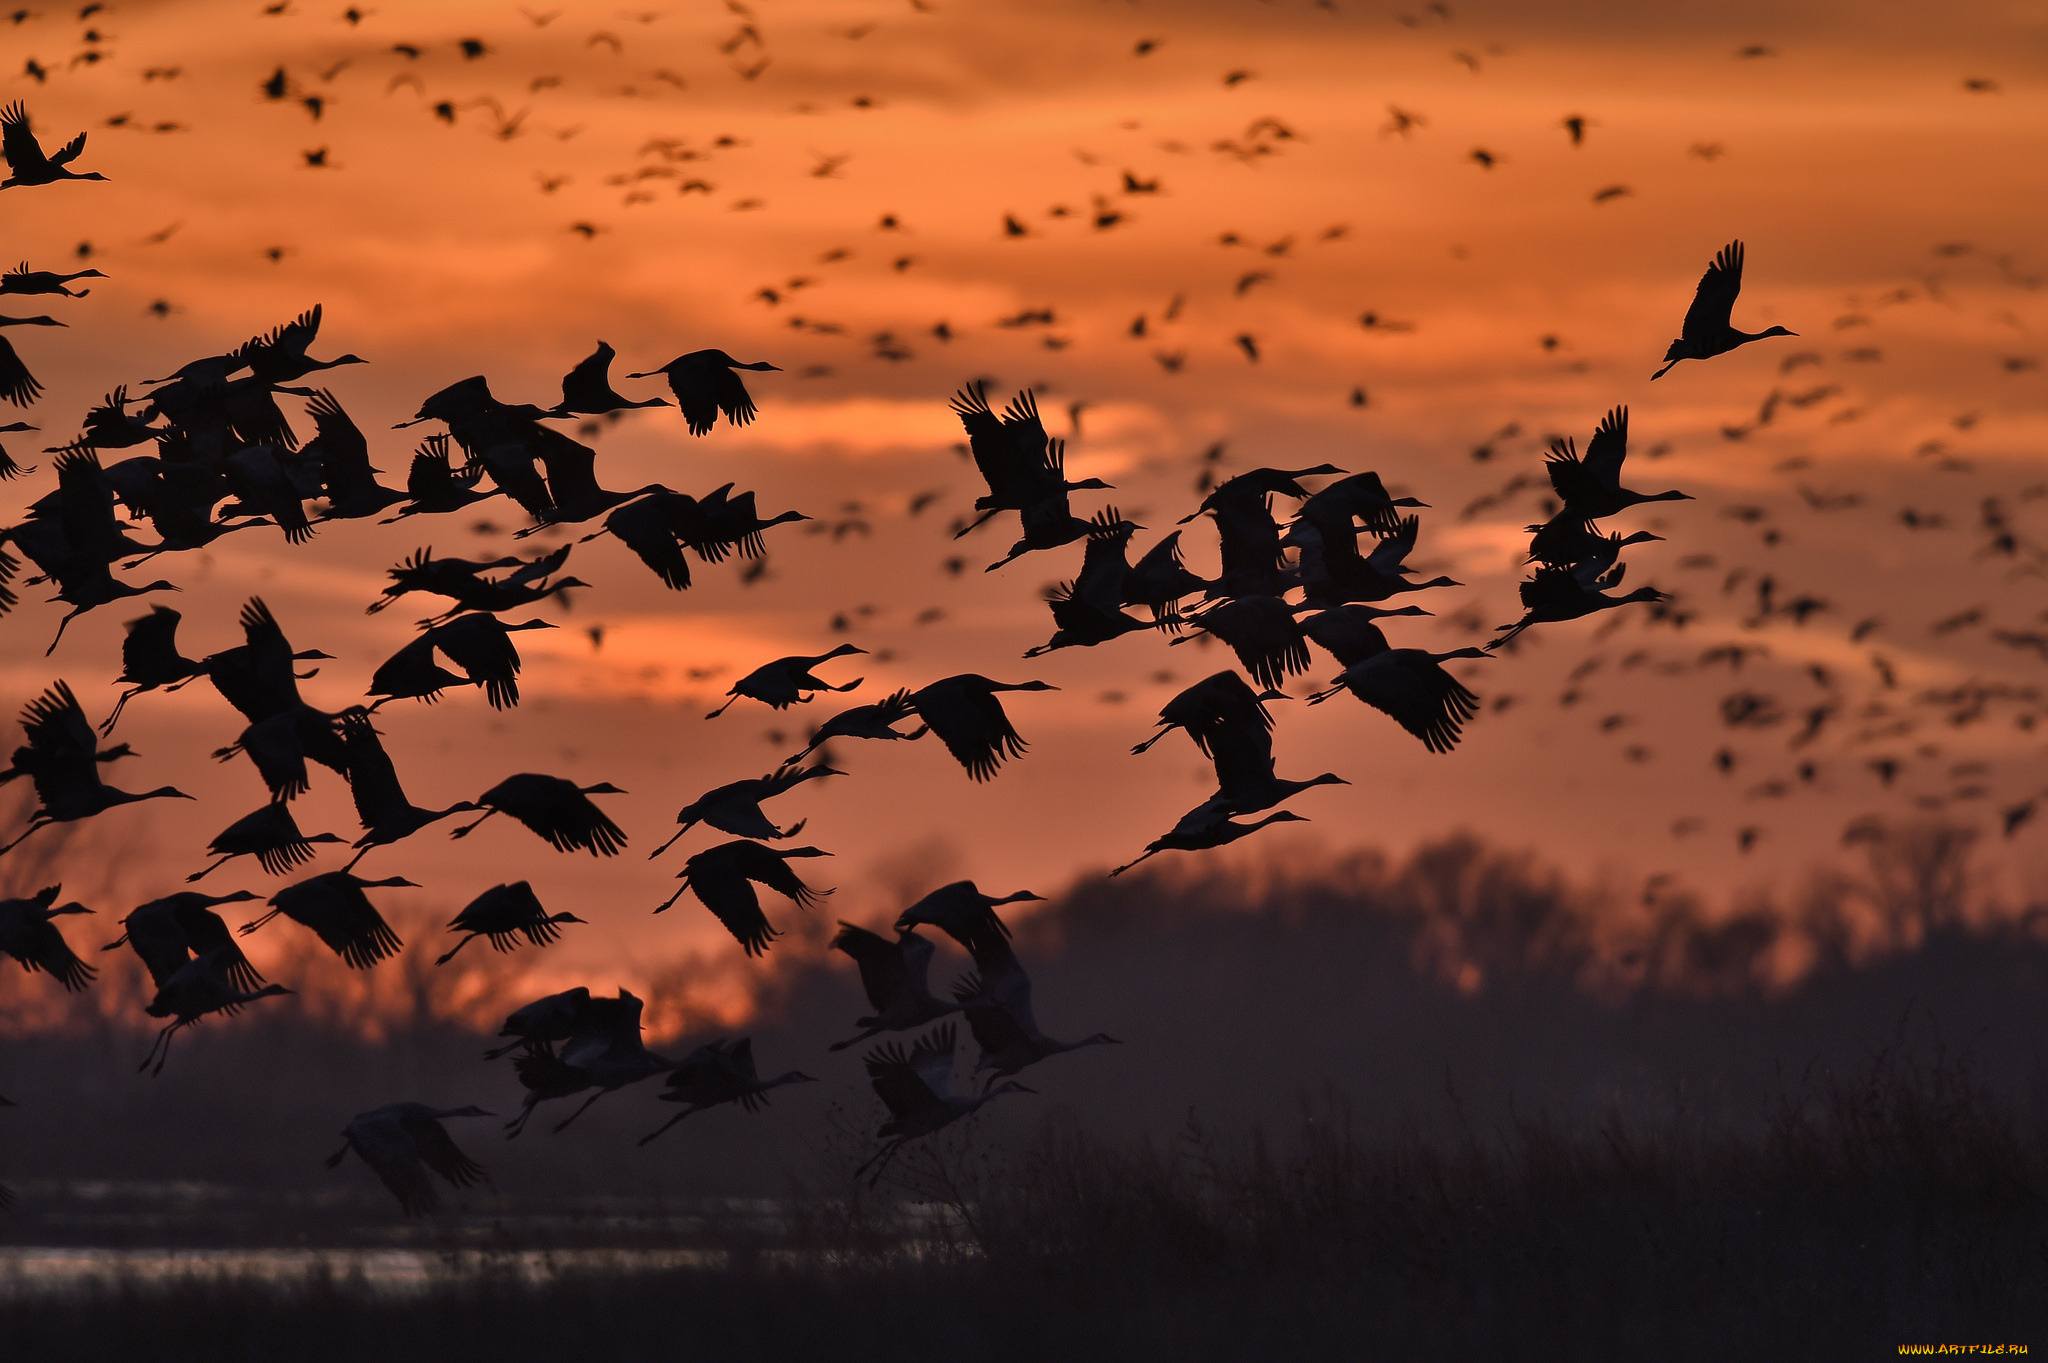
736, 807
876, 721
1591, 487
150, 659
29, 934
402, 1143
1708, 331
26, 163
1205, 827
787, 681
170, 932
334, 906
271, 835
706, 385
503, 913
996, 1001
964, 712
62, 760
587, 389
716, 1073
723, 879
387, 815
917, 1087
556, 810
894, 976
963, 912
199, 987
603, 1050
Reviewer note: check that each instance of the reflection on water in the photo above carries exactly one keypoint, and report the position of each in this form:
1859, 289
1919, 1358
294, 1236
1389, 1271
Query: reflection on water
93, 1235
31, 1270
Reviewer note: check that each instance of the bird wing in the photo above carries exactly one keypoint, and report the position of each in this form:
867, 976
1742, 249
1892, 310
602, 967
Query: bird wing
149, 644
344, 453
730, 895
17, 143
392, 1153
437, 1149
1714, 300
273, 745
208, 936
1609, 446
733, 398
56, 727
894, 1073
971, 724
1415, 690
372, 779
479, 645
1392, 551
160, 939
883, 975
557, 811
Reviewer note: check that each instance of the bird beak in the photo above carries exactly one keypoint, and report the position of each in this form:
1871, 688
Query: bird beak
414, 422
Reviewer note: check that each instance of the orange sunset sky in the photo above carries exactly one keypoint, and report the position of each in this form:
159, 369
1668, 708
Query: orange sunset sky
823, 183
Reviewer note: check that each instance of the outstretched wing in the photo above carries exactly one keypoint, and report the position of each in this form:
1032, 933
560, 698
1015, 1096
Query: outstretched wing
1714, 300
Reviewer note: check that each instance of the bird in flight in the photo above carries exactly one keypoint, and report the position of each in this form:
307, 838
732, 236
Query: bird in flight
26, 163
1707, 331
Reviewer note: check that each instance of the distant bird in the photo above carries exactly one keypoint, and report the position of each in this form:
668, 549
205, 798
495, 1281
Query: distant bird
723, 879
875, 721
964, 913
720, 1072
25, 159
62, 760
556, 810
895, 977
334, 906
916, 1086
270, 835
1204, 827
587, 389
170, 932
502, 913
736, 806
30, 937
1707, 331
964, 712
787, 681
705, 385
401, 1143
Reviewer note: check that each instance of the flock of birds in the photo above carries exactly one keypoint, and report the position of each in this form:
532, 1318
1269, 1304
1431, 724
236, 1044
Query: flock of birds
224, 458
